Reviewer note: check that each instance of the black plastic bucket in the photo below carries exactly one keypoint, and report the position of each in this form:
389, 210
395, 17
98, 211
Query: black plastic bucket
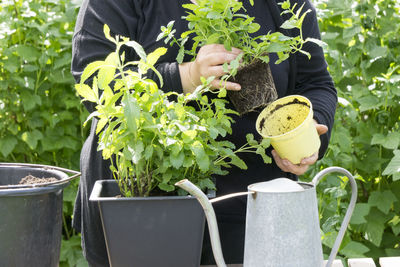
30, 218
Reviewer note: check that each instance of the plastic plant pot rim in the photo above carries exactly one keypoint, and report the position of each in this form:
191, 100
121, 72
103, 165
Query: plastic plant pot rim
37, 189
310, 114
98, 187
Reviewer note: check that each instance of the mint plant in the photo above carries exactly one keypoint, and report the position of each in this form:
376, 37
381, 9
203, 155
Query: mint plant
226, 22
151, 140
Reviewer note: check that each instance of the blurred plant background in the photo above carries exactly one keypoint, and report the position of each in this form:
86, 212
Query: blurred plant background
41, 117
363, 55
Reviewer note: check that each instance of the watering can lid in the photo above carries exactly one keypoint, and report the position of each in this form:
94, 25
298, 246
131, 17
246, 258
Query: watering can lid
278, 185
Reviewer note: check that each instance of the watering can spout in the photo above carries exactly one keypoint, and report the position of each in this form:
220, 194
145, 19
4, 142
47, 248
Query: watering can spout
211, 219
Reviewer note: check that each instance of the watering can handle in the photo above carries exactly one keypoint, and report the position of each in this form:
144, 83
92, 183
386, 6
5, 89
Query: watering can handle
349, 211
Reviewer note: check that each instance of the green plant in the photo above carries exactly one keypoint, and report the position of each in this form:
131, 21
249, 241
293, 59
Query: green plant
152, 140
225, 22
363, 55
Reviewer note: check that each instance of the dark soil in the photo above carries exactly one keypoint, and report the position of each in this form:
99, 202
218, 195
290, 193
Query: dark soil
294, 101
30, 179
258, 87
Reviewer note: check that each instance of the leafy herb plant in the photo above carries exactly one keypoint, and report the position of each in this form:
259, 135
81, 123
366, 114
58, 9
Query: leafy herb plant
226, 22
151, 140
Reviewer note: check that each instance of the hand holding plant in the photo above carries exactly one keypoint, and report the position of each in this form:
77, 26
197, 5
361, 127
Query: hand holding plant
225, 22
152, 141
209, 62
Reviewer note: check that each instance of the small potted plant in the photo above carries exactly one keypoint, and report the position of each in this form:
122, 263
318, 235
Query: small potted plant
154, 139
225, 22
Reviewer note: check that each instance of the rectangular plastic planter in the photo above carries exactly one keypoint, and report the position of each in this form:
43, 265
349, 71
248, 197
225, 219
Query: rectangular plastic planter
149, 231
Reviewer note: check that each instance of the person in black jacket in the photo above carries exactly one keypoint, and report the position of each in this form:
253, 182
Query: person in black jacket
141, 20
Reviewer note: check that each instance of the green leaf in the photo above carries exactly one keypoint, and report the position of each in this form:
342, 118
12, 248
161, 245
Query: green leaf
90, 70
136, 151
107, 34
201, 157
254, 27
188, 136
107, 72
289, 24
32, 138
390, 141
206, 183
30, 101
138, 49
131, 112
382, 200
166, 187
7, 145
378, 51
317, 42
86, 92
227, 45
354, 250
235, 160
360, 211
368, 102
349, 33
148, 152
153, 57
100, 124
375, 226
394, 165
28, 53
177, 161
213, 38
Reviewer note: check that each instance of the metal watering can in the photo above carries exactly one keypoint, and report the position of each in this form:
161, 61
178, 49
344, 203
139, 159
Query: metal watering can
282, 222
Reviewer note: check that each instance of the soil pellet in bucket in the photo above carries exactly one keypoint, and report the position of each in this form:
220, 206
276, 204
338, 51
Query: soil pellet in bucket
30, 179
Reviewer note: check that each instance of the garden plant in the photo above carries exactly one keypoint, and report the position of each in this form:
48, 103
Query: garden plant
153, 138
363, 55
225, 22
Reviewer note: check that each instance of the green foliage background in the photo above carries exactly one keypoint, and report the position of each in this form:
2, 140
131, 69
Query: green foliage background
41, 116
363, 55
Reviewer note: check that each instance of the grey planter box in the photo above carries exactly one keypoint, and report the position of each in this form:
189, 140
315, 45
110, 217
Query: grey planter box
150, 231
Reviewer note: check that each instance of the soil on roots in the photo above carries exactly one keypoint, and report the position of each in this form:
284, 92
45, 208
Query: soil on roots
258, 87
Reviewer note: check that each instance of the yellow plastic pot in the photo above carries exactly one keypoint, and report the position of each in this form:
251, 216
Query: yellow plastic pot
288, 123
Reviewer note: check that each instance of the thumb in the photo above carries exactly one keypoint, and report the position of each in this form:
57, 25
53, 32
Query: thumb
321, 129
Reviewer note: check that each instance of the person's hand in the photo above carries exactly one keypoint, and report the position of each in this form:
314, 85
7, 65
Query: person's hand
299, 169
209, 61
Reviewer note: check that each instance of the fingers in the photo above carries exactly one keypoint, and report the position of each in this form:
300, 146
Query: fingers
209, 63
321, 129
216, 83
298, 169
219, 48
